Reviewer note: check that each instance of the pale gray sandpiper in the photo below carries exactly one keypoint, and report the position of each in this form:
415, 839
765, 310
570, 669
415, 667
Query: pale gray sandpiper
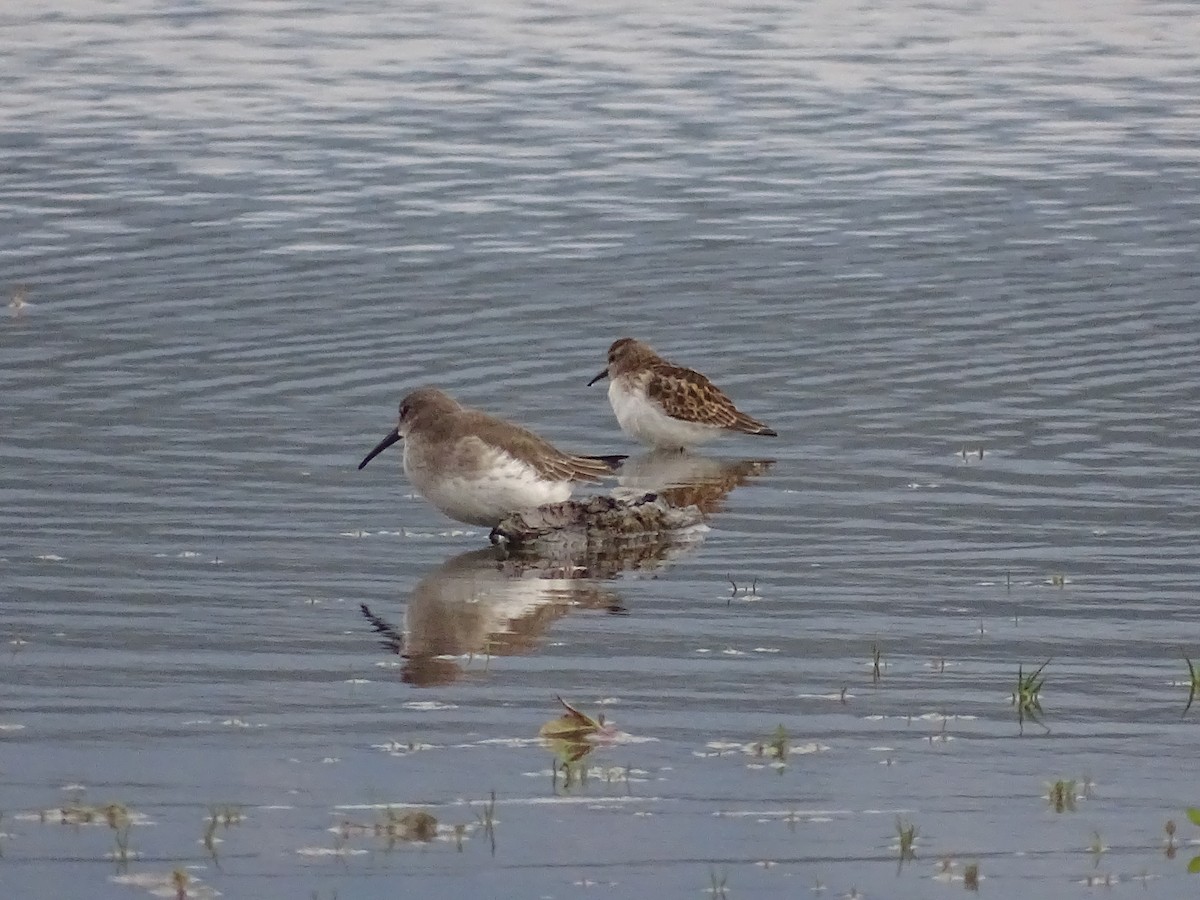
478, 469
666, 406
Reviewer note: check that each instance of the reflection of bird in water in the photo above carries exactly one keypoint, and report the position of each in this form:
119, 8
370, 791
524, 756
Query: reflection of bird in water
499, 601
662, 502
492, 603
685, 479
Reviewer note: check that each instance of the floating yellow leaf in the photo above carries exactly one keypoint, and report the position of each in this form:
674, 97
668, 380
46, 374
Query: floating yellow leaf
572, 725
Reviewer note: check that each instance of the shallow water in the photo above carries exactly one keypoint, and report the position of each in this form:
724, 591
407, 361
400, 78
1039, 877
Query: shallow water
948, 253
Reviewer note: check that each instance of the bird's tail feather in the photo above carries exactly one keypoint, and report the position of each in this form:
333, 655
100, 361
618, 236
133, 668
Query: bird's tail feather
612, 460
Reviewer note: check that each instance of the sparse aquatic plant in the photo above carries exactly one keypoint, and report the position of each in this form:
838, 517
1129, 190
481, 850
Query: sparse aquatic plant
487, 819
224, 816
209, 840
1027, 696
1169, 828
1062, 795
1058, 579
735, 589
971, 877
393, 826
408, 826
943, 732
717, 884
1193, 683
906, 834
574, 772
116, 816
180, 880
176, 884
779, 744
76, 813
776, 747
1096, 848
121, 836
1193, 814
230, 815
876, 667
946, 873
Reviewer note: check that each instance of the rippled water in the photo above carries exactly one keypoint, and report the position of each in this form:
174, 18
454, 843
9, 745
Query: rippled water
947, 251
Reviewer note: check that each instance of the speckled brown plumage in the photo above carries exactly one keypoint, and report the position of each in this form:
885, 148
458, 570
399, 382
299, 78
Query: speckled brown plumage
686, 394
683, 393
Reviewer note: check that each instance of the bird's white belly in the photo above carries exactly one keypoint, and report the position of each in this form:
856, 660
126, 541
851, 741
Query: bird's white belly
485, 495
643, 420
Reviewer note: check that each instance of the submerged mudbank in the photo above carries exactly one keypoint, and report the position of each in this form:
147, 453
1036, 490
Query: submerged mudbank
662, 495
596, 519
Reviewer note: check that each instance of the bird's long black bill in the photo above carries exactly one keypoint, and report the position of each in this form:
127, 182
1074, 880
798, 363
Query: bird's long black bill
392, 437
603, 374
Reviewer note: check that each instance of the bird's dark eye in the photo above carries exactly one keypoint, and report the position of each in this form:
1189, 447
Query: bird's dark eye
404, 411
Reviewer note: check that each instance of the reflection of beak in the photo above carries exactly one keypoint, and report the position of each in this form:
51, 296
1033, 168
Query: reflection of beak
603, 374
392, 437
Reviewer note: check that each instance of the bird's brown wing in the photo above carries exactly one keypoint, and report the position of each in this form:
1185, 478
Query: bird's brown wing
687, 395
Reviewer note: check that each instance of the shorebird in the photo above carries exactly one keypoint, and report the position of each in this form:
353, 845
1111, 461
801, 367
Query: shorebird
666, 406
477, 468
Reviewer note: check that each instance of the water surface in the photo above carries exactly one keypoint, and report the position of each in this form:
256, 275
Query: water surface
948, 252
